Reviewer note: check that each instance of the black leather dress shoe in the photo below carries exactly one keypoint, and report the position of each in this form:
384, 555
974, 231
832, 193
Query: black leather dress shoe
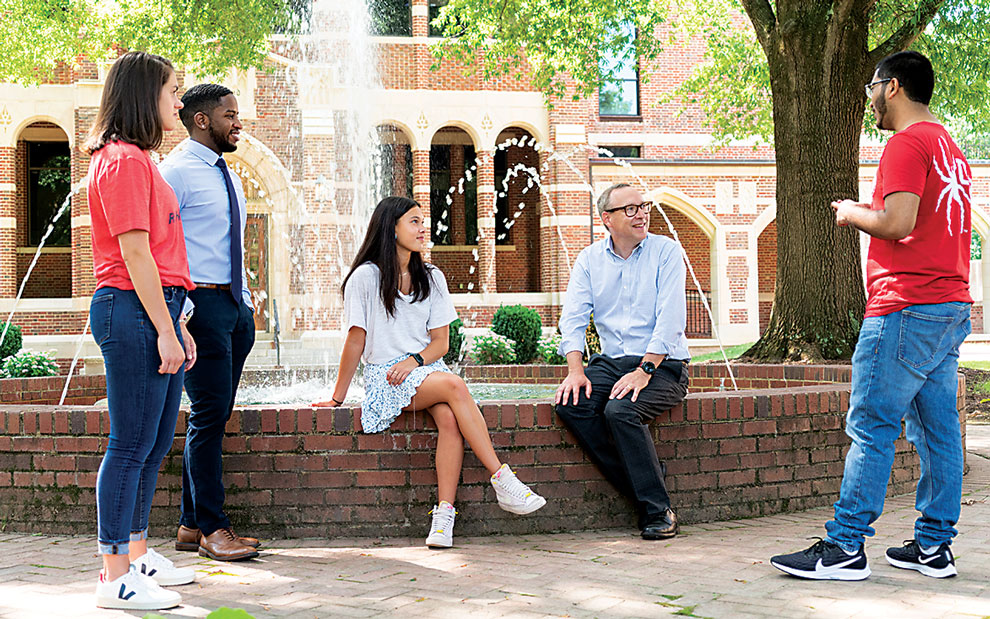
663, 527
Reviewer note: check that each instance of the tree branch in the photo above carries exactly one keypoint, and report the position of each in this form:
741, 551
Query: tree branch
908, 32
764, 21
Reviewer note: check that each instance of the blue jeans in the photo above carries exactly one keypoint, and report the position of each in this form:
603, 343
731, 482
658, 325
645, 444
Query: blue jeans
904, 367
143, 406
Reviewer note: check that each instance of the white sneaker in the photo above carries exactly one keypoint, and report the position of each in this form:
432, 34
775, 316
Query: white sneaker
133, 591
442, 530
513, 495
163, 570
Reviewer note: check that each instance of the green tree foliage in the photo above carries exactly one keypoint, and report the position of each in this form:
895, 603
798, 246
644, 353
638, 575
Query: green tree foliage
558, 39
787, 71
209, 35
12, 341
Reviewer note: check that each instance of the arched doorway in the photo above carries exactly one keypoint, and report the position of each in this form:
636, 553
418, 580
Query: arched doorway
517, 212
43, 177
454, 208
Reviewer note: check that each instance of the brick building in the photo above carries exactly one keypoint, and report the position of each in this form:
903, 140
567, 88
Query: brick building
507, 178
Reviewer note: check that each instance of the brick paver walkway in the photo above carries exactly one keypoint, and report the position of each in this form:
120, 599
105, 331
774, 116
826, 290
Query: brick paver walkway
710, 570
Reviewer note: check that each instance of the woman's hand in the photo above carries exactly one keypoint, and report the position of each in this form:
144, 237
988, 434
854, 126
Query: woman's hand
170, 352
398, 372
189, 344
331, 403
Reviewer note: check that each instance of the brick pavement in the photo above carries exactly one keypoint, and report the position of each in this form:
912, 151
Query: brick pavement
711, 570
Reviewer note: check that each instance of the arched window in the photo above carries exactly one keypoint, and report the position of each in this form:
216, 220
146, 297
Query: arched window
48, 184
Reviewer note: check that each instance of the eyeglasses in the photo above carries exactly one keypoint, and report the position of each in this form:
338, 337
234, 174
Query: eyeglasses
631, 209
869, 87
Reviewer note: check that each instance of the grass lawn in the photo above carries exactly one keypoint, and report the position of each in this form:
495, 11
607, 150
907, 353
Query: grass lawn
976, 365
732, 352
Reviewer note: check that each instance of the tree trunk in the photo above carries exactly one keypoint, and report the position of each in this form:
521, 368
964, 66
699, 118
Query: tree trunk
818, 117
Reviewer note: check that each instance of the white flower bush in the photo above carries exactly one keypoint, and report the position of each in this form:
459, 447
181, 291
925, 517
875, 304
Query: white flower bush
27, 364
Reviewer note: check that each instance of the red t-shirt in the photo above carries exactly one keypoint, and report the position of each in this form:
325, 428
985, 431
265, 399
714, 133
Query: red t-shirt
930, 265
126, 193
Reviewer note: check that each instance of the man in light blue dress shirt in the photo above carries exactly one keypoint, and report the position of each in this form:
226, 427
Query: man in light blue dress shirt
213, 213
633, 282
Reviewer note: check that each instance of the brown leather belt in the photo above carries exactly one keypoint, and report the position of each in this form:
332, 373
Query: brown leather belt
214, 286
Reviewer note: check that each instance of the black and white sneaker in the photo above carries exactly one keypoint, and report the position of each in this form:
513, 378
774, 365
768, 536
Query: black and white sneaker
824, 561
910, 556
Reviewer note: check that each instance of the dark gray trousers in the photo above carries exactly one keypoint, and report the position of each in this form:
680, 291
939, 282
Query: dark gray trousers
615, 433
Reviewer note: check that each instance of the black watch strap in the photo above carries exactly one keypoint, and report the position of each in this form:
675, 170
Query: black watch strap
648, 367
418, 357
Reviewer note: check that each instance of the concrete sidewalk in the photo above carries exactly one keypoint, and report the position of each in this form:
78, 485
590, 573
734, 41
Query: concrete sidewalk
710, 570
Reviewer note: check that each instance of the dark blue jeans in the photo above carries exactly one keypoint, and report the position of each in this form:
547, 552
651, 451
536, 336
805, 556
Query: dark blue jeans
904, 367
224, 334
143, 408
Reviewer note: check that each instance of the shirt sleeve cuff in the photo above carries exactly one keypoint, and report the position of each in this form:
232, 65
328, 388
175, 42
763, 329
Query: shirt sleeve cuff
571, 344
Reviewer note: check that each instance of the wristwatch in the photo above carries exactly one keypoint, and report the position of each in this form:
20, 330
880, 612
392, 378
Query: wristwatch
418, 357
648, 367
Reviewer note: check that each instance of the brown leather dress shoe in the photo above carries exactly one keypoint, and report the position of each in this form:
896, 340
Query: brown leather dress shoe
224, 545
188, 539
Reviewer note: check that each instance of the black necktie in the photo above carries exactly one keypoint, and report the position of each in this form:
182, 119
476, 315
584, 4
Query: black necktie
235, 233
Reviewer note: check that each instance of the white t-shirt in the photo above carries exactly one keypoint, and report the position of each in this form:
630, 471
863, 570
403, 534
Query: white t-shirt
408, 331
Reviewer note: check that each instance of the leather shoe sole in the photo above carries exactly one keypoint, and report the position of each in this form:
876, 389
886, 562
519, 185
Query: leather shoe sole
655, 533
243, 556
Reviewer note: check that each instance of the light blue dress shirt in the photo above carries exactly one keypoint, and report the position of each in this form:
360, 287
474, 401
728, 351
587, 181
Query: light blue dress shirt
639, 302
198, 183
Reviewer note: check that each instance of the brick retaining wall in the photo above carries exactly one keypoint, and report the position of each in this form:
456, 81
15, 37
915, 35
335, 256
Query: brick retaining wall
302, 472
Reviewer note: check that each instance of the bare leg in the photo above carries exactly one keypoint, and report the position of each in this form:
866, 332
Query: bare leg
138, 549
444, 388
115, 566
450, 452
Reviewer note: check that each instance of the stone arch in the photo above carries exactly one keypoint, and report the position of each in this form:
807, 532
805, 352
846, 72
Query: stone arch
38, 199
464, 126
43, 118
517, 212
392, 172
706, 262
530, 128
406, 130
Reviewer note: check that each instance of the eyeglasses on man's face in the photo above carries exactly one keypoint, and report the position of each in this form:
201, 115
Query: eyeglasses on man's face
631, 209
869, 87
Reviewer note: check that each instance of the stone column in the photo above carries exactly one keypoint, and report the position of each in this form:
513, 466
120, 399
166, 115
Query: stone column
8, 224
486, 222
83, 280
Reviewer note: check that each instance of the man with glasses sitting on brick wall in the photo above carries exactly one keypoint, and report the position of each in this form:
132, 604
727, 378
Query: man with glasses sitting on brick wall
633, 282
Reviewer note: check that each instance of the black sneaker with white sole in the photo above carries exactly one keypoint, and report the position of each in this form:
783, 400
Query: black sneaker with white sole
824, 561
938, 564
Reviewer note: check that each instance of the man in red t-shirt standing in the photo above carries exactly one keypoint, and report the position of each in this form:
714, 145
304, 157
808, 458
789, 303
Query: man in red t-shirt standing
917, 315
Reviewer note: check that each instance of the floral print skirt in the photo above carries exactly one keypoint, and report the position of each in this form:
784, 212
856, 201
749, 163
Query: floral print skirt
383, 403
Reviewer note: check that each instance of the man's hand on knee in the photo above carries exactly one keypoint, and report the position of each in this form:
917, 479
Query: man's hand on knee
634, 381
573, 384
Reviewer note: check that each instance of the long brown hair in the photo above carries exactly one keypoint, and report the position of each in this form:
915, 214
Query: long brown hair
129, 107
378, 248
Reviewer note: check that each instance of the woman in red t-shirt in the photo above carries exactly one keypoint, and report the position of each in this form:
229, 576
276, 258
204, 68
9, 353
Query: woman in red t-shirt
142, 277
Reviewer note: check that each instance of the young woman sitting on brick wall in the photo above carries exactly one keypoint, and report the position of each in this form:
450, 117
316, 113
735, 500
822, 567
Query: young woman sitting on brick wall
142, 277
397, 311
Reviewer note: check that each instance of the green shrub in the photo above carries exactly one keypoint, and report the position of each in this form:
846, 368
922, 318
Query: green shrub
591, 338
492, 349
27, 364
456, 341
12, 342
521, 324
548, 347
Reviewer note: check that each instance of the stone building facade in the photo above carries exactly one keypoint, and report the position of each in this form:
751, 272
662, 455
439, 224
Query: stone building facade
507, 177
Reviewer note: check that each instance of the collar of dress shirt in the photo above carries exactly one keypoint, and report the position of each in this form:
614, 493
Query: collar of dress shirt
202, 151
610, 248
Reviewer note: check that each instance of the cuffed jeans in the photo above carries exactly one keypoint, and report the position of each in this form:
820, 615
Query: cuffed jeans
904, 367
224, 334
143, 407
615, 433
